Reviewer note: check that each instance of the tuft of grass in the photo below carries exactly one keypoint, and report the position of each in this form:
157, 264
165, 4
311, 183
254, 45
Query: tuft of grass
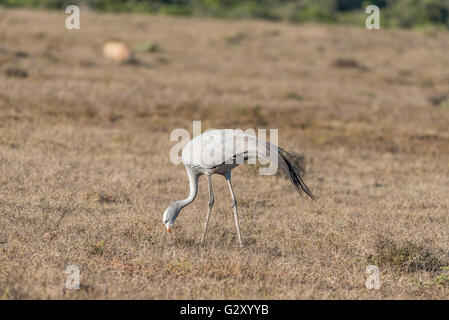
16, 72
445, 104
405, 73
9, 144
368, 93
50, 57
151, 47
236, 39
405, 256
180, 267
21, 54
439, 100
6, 295
293, 96
258, 116
106, 198
97, 248
427, 83
348, 63
254, 115
442, 279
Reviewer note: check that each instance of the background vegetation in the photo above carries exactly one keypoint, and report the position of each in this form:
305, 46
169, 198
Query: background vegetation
396, 13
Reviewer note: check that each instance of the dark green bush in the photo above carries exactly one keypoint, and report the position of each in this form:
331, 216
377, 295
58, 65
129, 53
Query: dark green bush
410, 13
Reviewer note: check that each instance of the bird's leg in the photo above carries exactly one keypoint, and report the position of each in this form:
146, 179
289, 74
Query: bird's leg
211, 204
234, 207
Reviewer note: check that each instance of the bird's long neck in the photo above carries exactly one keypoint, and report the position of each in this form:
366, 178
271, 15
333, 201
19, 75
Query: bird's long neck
193, 178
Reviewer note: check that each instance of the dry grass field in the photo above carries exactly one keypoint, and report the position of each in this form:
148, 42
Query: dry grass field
85, 173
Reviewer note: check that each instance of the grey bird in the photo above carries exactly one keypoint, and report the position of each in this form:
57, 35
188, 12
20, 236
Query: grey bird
220, 151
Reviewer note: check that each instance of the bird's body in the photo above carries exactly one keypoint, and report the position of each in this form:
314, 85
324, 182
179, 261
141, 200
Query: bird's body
194, 153
220, 151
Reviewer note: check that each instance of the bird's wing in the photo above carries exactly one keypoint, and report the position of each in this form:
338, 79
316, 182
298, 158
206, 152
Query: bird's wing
214, 148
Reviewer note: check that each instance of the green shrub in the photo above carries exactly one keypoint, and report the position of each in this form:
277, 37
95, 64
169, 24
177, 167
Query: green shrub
410, 13
309, 10
176, 10
251, 9
315, 13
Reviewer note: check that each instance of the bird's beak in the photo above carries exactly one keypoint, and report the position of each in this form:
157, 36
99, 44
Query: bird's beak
168, 229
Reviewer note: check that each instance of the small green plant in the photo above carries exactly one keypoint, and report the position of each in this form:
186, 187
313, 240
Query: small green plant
236, 39
445, 104
417, 282
180, 267
97, 248
442, 279
293, 96
151, 47
6, 295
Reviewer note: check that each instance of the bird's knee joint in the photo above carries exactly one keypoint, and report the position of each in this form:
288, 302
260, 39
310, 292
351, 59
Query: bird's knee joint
234, 204
211, 201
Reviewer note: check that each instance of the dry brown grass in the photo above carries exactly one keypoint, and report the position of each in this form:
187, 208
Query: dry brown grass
85, 173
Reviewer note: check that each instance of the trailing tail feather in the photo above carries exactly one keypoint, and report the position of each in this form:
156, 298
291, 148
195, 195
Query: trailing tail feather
291, 165
293, 173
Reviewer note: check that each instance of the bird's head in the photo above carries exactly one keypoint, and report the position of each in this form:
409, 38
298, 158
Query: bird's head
170, 215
